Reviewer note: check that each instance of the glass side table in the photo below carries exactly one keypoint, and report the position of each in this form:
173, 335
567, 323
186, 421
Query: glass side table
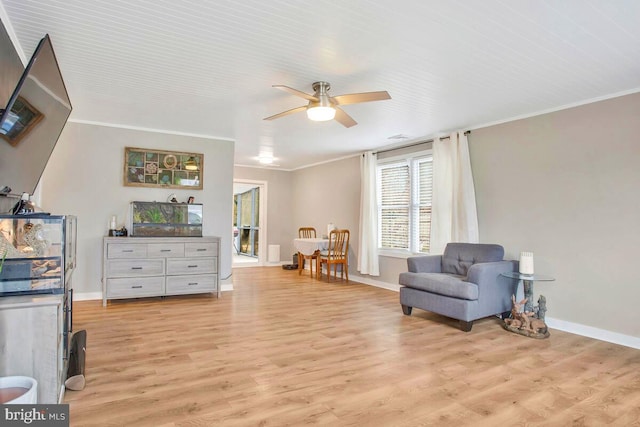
527, 283
525, 324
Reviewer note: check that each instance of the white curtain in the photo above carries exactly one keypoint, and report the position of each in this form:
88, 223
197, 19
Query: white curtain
454, 214
368, 241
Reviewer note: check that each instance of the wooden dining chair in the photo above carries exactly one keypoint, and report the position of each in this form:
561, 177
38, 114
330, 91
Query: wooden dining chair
336, 253
307, 233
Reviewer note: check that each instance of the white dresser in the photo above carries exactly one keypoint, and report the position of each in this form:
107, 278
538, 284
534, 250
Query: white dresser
136, 267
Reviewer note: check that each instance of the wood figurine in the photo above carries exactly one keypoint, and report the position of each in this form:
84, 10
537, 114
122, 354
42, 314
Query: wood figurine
527, 323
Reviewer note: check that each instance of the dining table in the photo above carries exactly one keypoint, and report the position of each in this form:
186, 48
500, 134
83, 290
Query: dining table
308, 247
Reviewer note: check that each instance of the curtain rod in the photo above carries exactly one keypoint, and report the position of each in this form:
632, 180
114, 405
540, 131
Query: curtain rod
415, 144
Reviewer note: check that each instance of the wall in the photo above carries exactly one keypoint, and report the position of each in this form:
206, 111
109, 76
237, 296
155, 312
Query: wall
565, 186
329, 193
279, 202
84, 177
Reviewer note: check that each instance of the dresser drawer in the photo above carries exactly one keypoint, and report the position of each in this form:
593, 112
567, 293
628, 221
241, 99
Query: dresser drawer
165, 250
135, 267
191, 284
179, 266
200, 249
124, 250
135, 287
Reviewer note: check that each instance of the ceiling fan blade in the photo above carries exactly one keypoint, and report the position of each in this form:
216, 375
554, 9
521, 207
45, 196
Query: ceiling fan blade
286, 113
356, 98
296, 92
343, 118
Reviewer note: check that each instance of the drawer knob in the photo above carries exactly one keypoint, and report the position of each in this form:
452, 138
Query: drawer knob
201, 249
192, 266
136, 268
127, 250
136, 287
193, 284
165, 250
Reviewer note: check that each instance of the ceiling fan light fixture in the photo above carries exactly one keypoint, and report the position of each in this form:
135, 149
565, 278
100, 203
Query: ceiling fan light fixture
320, 113
322, 107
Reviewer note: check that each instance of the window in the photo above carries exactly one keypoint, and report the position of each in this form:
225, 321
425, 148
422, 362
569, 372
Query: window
404, 203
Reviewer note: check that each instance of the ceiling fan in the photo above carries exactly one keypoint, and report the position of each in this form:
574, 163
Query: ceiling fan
323, 107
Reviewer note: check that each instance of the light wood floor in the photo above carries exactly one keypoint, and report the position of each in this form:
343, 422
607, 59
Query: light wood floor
283, 349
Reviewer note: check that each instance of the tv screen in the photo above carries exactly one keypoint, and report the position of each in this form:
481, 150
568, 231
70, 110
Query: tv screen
32, 121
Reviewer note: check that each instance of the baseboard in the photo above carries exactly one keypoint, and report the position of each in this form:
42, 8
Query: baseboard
591, 332
226, 284
268, 264
246, 265
86, 296
378, 284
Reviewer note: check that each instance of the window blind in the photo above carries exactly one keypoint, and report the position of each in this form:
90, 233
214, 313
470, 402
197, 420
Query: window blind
395, 202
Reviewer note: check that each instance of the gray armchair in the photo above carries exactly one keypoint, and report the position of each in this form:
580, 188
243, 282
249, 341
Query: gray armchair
463, 283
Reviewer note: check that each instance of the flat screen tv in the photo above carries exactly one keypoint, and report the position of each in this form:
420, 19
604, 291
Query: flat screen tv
32, 121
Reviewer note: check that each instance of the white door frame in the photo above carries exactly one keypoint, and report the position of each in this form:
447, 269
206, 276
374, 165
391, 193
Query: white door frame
262, 222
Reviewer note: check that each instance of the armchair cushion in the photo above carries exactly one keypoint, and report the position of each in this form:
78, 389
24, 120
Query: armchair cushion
450, 285
458, 257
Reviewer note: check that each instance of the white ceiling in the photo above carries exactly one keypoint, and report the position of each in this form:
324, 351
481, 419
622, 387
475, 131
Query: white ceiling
206, 67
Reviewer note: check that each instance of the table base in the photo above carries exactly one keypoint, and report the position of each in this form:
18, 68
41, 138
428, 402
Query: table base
542, 334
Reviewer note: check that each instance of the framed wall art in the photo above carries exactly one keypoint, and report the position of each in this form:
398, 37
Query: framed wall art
169, 169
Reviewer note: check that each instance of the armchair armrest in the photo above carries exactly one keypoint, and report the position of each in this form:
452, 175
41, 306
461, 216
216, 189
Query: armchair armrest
425, 264
494, 290
489, 272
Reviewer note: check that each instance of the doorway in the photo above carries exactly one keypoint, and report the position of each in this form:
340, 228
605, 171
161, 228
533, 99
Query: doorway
249, 225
